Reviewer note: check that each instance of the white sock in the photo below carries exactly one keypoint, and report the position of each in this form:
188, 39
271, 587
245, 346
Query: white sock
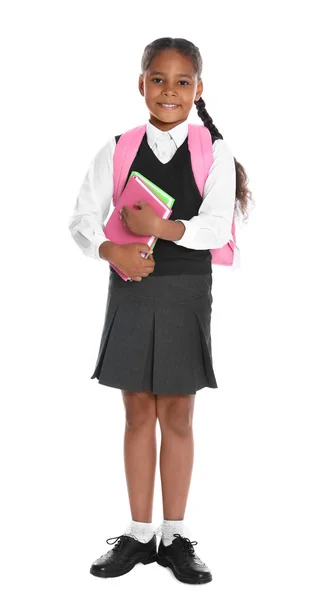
168, 530
143, 532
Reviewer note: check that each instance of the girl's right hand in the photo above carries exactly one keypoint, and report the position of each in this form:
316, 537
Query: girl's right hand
129, 260
150, 263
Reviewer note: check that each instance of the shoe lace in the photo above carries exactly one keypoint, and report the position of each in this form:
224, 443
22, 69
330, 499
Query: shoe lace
117, 543
187, 544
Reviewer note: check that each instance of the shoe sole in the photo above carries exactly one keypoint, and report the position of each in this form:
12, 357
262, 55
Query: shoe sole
145, 561
164, 563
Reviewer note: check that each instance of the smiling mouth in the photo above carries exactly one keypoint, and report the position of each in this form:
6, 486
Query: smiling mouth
168, 106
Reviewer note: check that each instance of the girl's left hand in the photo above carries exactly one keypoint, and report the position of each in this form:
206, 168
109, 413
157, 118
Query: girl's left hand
142, 220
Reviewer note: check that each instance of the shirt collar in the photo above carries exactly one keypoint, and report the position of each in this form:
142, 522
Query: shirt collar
178, 133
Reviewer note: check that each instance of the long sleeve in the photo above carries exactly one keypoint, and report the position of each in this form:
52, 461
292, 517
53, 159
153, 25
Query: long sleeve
211, 228
94, 202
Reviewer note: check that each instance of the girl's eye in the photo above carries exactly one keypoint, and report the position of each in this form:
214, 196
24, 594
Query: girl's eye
159, 79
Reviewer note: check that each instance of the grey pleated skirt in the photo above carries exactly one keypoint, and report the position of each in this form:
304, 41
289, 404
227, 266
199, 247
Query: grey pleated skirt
157, 335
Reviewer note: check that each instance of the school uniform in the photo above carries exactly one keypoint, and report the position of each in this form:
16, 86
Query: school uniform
157, 332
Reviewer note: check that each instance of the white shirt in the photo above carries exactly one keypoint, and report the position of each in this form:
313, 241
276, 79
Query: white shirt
210, 228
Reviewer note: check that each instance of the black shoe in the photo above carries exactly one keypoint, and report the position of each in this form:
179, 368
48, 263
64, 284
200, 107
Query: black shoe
181, 558
126, 553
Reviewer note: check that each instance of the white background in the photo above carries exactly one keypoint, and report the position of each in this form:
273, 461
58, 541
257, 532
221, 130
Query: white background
262, 499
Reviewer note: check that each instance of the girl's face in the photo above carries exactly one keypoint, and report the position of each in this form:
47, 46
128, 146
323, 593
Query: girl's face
171, 79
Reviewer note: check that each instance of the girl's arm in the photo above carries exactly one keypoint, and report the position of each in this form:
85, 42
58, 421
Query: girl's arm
93, 204
211, 228
169, 230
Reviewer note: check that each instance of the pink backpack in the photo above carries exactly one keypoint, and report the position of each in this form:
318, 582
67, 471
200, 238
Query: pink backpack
200, 147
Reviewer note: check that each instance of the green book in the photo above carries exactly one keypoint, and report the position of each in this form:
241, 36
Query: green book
166, 198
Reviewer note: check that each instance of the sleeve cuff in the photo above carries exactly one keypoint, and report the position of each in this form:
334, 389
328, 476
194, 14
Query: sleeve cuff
188, 238
96, 243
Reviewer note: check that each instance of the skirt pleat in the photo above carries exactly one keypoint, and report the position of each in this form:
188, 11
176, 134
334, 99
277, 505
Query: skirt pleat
157, 335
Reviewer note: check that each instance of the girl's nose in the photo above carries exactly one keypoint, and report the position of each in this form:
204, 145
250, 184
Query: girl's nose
169, 92
169, 89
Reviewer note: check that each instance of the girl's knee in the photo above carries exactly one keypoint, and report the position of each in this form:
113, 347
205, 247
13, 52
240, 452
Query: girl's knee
140, 410
176, 414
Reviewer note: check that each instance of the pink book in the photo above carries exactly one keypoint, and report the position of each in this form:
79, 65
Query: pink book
118, 233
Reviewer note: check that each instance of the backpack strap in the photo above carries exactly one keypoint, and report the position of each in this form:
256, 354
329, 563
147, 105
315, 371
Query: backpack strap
124, 154
201, 154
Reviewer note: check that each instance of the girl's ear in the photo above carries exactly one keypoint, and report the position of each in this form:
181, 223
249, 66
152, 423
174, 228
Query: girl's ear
199, 90
141, 85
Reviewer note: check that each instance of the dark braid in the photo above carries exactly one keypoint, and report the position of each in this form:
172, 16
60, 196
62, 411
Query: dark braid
207, 120
243, 194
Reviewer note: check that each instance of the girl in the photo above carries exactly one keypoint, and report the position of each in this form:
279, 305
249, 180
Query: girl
156, 340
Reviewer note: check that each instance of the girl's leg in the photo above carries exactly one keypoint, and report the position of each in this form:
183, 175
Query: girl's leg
140, 452
175, 414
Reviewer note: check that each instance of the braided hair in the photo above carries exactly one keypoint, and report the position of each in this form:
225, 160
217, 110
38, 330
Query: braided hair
243, 194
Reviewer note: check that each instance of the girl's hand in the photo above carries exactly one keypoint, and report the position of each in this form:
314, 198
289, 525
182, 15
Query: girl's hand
142, 220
